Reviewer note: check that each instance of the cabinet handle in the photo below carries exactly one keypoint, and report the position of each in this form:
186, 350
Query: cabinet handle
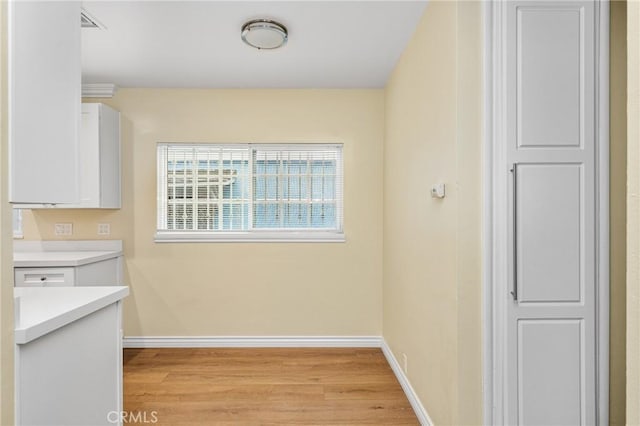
514, 291
43, 278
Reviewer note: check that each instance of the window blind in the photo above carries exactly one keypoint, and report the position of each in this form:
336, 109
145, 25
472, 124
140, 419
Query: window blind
249, 188
296, 188
202, 188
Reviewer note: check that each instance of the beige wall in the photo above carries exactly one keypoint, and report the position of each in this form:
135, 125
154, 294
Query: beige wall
633, 214
469, 183
262, 289
432, 275
6, 249
618, 212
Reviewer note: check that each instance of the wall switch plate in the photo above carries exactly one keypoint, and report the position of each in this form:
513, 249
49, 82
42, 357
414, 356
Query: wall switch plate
438, 190
104, 229
63, 229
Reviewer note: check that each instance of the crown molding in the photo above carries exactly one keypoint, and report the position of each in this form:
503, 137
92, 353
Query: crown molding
99, 90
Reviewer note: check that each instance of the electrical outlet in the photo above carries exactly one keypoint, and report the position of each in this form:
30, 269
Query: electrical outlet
104, 229
404, 363
62, 229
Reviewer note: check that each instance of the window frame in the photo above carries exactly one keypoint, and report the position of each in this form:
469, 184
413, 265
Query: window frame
18, 229
253, 234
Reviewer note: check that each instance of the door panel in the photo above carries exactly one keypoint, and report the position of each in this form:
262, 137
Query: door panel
549, 228
551, 317
551, 363
549, 57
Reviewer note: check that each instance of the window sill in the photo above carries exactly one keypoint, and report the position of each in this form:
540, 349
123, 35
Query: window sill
250, 237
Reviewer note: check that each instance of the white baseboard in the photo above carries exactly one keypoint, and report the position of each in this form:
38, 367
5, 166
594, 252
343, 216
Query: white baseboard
417, 406
252, 342
288, 342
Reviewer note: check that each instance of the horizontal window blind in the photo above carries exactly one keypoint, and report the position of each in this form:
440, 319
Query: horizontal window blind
249, 188
202, 188
295, 188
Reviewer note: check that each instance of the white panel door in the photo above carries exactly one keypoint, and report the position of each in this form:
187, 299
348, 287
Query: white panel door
551, 317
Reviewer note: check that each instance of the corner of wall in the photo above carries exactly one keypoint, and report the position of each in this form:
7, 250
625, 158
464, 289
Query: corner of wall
618, 213
469, 149
6, 244
432, 248
633, 215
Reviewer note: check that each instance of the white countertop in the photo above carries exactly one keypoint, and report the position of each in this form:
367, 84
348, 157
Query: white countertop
41, 310
43, 259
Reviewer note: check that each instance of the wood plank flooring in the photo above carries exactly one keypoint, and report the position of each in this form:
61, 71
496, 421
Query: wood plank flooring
204, 386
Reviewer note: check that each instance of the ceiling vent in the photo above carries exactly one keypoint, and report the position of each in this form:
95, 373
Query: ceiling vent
88, 21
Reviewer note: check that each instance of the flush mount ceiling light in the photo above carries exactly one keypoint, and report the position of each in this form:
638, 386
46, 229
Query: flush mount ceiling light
264, 34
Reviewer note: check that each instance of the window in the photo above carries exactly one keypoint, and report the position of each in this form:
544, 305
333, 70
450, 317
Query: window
249, 192
17, 223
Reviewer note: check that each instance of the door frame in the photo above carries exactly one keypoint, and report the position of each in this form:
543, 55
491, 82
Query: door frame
495, 211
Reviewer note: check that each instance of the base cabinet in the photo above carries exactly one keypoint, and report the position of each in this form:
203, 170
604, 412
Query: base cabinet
102, 273
73, 375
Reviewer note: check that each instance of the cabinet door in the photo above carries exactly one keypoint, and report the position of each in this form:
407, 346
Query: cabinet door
44, 101
110, 168
103, 273
89, 154
99, 157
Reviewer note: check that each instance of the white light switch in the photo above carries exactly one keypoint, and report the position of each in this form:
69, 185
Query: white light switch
438, 190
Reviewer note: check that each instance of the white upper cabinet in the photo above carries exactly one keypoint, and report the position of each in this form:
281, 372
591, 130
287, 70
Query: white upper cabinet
99, 154
99, 157
44, 101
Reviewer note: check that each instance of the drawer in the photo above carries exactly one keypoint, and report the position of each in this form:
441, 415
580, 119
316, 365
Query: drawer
44, 277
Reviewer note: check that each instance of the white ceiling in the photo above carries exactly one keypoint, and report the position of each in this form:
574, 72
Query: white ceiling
332, 44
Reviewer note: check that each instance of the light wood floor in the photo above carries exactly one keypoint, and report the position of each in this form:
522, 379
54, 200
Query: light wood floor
264, 386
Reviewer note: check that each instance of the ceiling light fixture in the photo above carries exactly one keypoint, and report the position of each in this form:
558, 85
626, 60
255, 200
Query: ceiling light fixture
264, 34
